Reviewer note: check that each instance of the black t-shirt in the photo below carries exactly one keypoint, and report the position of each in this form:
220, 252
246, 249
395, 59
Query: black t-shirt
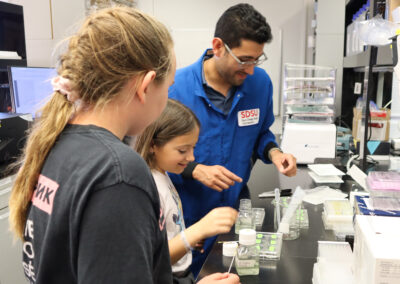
95, 215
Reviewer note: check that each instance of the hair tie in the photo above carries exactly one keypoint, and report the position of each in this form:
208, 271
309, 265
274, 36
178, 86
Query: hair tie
63, 85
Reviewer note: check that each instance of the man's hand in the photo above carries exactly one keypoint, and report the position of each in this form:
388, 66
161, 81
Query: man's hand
220, 278
216, 177
285, 163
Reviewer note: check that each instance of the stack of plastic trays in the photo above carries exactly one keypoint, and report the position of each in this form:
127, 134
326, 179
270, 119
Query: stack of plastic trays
384, 189
302, 216
334, 263
270, 245
338, 216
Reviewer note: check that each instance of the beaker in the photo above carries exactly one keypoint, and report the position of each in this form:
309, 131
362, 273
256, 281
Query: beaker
294, 225
258, 216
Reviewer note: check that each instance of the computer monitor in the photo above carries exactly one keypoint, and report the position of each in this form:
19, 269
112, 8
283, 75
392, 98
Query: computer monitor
30, 88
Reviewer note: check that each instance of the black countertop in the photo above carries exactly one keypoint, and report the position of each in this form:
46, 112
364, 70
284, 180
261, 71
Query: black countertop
297, 256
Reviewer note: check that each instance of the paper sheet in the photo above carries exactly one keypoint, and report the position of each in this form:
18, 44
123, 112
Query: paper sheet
321, 193
325, 179
326, 170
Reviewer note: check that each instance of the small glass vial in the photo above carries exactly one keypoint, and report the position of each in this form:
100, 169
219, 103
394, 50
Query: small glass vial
247, 260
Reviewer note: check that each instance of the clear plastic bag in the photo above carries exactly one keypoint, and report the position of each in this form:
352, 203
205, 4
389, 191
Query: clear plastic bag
376, 31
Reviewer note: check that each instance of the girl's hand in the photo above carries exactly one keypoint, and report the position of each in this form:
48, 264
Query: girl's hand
220, 278
218, 221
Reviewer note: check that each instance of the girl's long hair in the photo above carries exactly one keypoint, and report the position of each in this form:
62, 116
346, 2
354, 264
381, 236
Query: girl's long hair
111, 47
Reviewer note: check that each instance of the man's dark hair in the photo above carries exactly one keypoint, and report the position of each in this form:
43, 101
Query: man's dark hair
242, 21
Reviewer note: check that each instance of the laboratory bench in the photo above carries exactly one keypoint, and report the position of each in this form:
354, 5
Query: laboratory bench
295, 265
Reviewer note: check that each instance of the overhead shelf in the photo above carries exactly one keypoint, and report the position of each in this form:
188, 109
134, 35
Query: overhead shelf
11, 62
384, 58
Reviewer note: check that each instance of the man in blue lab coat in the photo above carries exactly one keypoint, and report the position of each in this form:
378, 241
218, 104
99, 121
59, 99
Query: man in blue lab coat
233, 100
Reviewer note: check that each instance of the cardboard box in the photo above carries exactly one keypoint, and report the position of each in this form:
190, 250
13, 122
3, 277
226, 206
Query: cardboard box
377, 250
392, 4
380, 125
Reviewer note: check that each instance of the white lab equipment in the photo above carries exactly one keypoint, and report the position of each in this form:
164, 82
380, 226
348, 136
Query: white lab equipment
376, 250
308, 141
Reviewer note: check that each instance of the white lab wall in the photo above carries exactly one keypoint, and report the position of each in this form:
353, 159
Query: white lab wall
330, 41
192, 25
47, 22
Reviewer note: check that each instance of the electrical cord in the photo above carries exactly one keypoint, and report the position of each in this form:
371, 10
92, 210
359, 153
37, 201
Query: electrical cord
370, 127
357, 157
352, 158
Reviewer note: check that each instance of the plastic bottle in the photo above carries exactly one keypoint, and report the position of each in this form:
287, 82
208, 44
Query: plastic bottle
349, 33
362, 16
367, 15
354, 36
247, 260
244, 220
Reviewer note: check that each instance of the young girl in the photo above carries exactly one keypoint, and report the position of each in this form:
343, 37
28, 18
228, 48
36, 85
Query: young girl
167, 146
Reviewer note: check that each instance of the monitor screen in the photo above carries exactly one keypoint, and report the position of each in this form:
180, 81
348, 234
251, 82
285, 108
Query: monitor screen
30, 88
12, 34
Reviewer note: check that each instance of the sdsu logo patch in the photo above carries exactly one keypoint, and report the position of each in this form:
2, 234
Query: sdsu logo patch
248, 117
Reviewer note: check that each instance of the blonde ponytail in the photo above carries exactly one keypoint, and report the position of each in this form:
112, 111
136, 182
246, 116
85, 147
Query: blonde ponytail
54, 116
112, 46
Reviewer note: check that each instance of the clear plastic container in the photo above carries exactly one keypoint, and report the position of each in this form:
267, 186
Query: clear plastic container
337, 215
258, 216
384, 184
245, 204
302, 216
305, 72
270, 245
334, 263
244, 220
385, 203
310, 119
308, 94
295, 223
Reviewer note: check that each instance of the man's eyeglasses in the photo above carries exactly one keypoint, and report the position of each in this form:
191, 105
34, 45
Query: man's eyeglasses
256, 62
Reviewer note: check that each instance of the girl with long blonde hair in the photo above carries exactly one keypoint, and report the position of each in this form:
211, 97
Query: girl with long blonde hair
85, 204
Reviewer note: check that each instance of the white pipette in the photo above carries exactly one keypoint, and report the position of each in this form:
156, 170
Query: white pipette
230, 266
277, 205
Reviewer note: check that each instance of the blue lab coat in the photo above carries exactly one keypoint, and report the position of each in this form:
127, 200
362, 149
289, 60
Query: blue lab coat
222, 141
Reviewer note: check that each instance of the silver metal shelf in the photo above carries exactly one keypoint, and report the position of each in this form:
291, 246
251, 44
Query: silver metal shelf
384, 57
